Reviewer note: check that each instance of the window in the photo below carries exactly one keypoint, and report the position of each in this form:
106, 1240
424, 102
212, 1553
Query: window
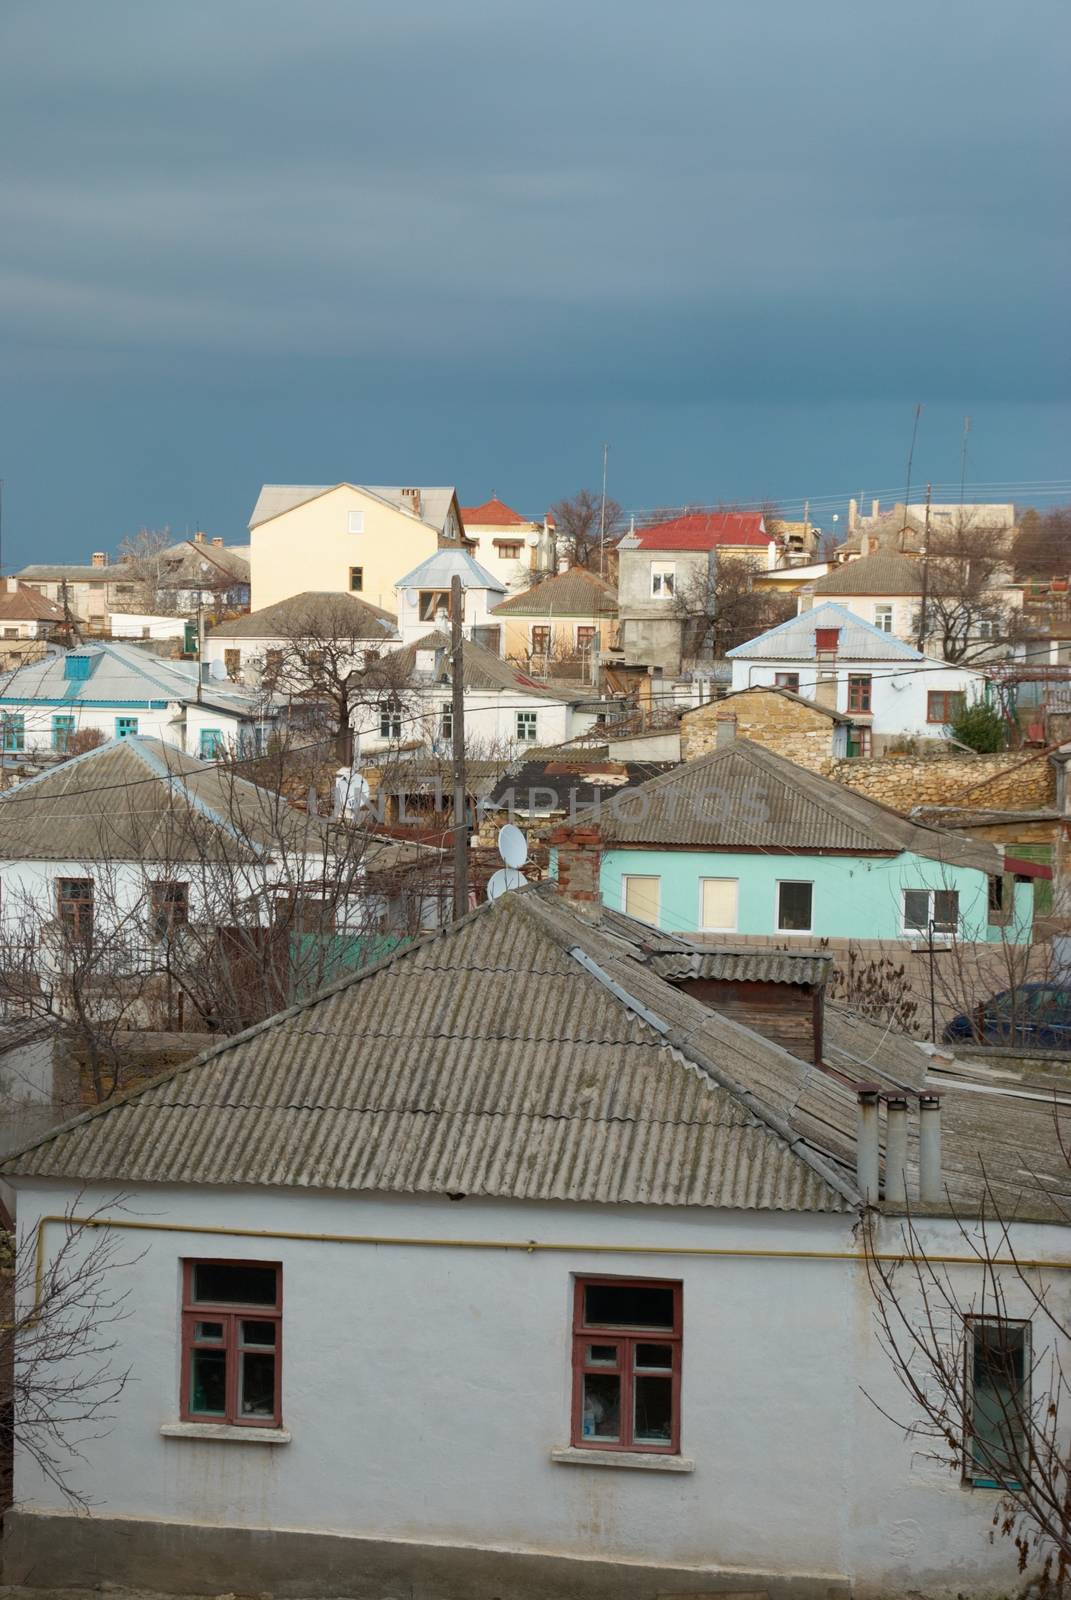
987, 628
14, 731
718, 904
211, 744
62, 733
859, 740
945, 705
995, 897
170, 908
859, 691
626, 1365
826, 641
883, 618
74, 906
794, 906
787, 680
390, 718
508, 549
76, 668
232, 1343
540, 640
11, 633
998, 1401
355, 522
663, 579
356, 579
432, 601
585, 638
642, 898
923, 906
125, 727
232, 660
446, 723
527, 726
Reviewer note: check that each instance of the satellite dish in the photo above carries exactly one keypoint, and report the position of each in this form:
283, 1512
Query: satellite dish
532, 540
217, 671
512, 845
412, 597
505, 878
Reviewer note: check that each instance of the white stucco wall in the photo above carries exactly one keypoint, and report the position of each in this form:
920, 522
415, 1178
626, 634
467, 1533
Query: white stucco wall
490, 720
172, 723
898, 690
425, 1388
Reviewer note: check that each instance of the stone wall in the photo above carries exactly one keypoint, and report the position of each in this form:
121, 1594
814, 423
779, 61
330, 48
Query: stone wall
786, 727
1008, 780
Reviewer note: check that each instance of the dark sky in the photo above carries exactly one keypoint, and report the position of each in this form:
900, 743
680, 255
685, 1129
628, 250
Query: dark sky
467, 241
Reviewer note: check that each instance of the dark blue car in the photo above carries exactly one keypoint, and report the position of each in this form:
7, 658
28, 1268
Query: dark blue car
1036, 1014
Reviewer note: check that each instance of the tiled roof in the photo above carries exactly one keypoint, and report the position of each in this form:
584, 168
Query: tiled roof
574, 593
440, 569
494, 513
317, 612
750, 965
27, 605
700, 530
745, 797
878, 575
794, 640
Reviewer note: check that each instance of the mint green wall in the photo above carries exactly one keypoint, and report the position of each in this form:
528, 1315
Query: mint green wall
855, 897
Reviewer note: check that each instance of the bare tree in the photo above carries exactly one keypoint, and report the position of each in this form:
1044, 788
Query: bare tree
720, 607
144, 555
965, 610
1043, 543
584, 537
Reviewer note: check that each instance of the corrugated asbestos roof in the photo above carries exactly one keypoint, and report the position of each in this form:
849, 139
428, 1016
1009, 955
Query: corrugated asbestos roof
440, 569
575, 593
794, 640
879, 574
752, 965
483, 671
519, 1053
314, 612
745, 797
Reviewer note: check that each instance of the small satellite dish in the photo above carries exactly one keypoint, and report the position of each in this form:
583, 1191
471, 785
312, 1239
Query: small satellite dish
512, 845
217, 671
412, 597
532, 540
505, 878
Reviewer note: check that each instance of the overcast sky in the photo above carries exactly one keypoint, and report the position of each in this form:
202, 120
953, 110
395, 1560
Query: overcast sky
467, 241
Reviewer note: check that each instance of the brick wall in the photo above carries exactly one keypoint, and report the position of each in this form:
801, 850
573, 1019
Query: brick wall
906, 781
579, 863
784, 726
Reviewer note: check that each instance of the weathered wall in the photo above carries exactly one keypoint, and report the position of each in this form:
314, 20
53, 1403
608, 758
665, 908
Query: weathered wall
991, 781
778, 724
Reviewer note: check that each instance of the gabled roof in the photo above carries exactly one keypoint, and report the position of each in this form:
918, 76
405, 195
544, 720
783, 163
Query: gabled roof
75, 572
275, 499
771, 688
745, 797
484, 672
700, 530
877, 575
439, 569
120, 673
316, 612
794, 640
185, 560
519, 1053
494, 513
550, 783
573, 593
27, 605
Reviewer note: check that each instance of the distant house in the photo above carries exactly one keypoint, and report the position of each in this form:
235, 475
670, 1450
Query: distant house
887, 590
352, 538
28, 622
89, 591
247, 647
422, 597
554, 784
901, 528
507, 544
118, 690
206, 572
744, 842
801, 730
890, 690
571, 616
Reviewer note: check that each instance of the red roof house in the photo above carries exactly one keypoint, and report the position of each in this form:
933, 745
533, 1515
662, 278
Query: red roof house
704, 530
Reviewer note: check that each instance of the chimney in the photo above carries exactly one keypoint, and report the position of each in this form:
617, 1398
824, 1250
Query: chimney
896, 1150
853, 514
411, 501
12, 585
217, 541
579, 857
930, 1187
875, 508
198, 537
866, 1145
100, 558
724, 729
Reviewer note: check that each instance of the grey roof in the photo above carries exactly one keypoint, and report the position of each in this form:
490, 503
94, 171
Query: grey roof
439, 570
745, 797
794, 640
121, 673
575, 593
484, 672
539, 783
750, 965
74, 572
518, 1053
275, 498
316, 612
184, 563
880, 574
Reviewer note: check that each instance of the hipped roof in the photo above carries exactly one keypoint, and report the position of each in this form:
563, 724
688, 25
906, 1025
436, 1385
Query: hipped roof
574, 593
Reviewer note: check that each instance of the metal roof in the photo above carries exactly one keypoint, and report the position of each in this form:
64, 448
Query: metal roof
439, 570
575, 593
121, 673
276, 498
879, 574
483, 671
315, 612
25, 604
745, 797
794, 640
548, 785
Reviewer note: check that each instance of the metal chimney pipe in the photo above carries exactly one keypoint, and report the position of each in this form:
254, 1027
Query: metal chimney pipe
866, 1144
896, 1149
930, 1185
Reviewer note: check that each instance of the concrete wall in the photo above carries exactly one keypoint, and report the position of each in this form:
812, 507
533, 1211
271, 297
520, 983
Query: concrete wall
426, 1387
651, 628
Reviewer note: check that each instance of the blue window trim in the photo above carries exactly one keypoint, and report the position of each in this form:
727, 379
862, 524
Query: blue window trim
126, 733
210, 744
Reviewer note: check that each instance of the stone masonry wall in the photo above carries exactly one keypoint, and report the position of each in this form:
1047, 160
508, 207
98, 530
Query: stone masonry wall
994, 782
781, 725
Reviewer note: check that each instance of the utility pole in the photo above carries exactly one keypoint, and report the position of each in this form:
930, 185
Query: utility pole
925, 568
963, 460
602, 515
457, 731
910, 462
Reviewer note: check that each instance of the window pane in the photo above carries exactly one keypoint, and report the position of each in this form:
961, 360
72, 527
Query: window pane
208, 1382
256, 1384
604, 1355
642, 897
917, 909
794, 906
946, 910
601, 1405
653, 1422
224, 1283
659, 1356
719, 902
208, 1330
258, 1332
628, 1305
1000, 1398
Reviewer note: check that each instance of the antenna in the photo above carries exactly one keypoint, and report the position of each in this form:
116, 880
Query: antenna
910, 460
963, 460
513, 848
602, 513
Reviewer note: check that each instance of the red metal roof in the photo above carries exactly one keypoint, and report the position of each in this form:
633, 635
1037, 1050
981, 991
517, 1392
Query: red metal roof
494, 513
704, 530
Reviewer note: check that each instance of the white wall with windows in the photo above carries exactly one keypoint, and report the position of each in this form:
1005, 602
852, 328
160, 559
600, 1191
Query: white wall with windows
419, 717
908, 699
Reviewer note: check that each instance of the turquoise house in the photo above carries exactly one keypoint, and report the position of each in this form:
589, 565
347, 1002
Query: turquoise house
743, 842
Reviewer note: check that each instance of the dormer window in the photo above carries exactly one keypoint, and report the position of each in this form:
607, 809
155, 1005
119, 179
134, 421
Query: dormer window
826, 641
76, 668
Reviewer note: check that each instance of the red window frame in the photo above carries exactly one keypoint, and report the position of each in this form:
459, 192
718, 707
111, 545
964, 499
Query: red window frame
826, 641
626, 1340
951, 702
231, 1314
859, 695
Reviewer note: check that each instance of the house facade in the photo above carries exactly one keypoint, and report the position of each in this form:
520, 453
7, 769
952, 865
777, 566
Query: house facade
248, 647
506, 543
89, 591
590, 1226
889, 689
346, 537
888, 591
801, 730
570, 616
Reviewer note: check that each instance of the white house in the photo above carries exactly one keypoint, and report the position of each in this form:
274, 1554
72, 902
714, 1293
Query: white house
246, 647
507, 544
512, 1268
118, 690
889, 689
886, 589
423, 597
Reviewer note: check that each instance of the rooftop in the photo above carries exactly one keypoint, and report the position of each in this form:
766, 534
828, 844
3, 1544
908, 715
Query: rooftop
314, 612
443, 566
121, 672
484, 672
275, 499
700, 530
573, 593
794, 640
878, 574
494, 513
23, 604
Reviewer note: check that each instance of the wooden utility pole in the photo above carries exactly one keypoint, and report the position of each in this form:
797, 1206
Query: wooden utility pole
457, 731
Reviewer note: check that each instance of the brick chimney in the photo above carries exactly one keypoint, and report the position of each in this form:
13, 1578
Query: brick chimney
411, 501
579, 856
100, 558
217, 541
198, 538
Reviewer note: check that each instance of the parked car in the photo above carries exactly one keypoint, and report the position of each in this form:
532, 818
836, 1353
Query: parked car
1033, 1014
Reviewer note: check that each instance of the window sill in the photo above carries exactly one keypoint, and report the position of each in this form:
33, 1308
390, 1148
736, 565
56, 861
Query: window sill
224, 1431
637, 1460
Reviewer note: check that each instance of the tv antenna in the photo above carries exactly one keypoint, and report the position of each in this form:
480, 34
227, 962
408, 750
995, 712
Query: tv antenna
513, 848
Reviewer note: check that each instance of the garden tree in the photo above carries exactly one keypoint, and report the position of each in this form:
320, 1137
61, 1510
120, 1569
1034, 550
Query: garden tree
579, 521
1043, 544
965, 609
981, 727
720, 607
148, 569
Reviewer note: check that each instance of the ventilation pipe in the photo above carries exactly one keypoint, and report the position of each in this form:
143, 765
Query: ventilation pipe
896, 1149
930, 1187
866, 1144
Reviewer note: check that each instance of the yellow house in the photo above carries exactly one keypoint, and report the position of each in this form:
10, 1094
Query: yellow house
569, 616
345, 536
